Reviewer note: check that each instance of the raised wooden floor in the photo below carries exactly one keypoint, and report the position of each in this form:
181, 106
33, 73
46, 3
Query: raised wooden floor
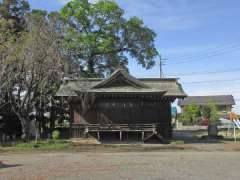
83, 130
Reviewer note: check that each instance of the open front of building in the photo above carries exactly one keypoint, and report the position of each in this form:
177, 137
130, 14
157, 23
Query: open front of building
122, 105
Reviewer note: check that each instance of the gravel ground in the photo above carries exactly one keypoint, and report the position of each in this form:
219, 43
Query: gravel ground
179, 165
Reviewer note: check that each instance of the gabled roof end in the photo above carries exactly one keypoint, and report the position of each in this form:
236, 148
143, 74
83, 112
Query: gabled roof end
121, 75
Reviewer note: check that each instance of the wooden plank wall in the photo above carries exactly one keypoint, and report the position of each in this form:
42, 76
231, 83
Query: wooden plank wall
127, 111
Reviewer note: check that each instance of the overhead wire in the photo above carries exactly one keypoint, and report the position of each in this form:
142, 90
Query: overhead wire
205, 57
212, 81
204, 51
206, 72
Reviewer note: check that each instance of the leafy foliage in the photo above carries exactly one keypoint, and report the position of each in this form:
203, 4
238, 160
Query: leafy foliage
99, 38
191, 114
210, 112
55, 134
14, 11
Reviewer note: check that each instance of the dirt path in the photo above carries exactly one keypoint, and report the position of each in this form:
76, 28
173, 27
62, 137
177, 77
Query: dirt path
134, 165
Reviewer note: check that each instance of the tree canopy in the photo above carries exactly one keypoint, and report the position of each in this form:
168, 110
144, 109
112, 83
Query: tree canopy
14, 11
99, 38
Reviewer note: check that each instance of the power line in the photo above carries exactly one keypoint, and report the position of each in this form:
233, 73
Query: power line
217, 48
204, 57
211, 81
206, 72
225, 92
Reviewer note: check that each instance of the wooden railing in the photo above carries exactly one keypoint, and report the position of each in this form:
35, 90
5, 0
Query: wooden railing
81, 130
116, 127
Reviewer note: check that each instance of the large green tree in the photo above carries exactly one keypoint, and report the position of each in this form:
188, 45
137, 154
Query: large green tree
99, 38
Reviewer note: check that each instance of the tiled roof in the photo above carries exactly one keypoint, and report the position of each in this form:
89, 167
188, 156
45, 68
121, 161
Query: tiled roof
121, 82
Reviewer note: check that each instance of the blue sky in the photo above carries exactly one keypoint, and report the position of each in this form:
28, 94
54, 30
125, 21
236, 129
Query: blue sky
205, 33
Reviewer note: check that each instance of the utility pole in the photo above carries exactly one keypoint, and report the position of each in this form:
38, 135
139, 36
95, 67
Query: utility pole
161, 64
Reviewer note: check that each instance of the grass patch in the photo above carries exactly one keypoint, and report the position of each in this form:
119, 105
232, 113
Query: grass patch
40, 145
172, 142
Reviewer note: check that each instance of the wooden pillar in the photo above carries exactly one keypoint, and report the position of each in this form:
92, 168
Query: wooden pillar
142, 135
98, 135
120, 135
86, 132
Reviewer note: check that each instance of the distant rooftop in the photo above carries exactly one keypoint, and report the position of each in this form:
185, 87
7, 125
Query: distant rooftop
204, 100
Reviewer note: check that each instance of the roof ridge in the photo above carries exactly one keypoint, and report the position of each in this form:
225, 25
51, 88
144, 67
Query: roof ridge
129, 79
158, 79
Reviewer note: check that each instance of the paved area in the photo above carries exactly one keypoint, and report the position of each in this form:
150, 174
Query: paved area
179, 165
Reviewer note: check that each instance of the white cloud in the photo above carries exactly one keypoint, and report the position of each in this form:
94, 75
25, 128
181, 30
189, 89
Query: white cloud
92, 1
170, 15
63, 1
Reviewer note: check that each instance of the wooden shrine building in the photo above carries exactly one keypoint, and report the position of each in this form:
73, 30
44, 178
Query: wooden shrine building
121, 104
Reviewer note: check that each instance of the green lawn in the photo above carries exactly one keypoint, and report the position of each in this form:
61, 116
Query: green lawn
40, 145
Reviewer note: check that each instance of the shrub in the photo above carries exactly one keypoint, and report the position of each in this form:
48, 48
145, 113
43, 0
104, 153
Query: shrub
56, 134
190, 115
210, 112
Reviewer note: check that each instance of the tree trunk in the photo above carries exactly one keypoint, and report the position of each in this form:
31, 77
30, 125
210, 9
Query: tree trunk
37, 130
91, 71
25, 122
52, 118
